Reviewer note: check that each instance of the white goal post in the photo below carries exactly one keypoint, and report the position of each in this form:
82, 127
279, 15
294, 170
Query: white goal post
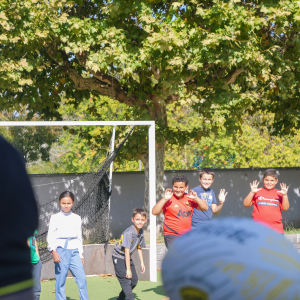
152, 168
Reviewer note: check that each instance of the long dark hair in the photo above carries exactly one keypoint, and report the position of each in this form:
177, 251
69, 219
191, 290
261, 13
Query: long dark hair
67, 194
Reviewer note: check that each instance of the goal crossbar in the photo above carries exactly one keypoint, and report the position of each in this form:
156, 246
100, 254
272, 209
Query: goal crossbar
152, 168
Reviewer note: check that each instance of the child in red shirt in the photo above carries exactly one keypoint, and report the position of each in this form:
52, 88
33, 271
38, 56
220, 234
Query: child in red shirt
177, 207
268, 202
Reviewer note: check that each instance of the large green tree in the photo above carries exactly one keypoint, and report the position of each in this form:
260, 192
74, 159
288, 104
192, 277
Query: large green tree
254, 147
226, 56
34, 143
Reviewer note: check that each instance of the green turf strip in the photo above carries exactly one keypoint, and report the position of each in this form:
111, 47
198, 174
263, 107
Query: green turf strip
105, 288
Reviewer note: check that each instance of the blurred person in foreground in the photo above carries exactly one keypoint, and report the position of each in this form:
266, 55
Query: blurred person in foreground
18, 221
234, 259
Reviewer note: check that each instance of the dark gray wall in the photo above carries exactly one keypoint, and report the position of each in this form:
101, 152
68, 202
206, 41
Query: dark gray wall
128, 192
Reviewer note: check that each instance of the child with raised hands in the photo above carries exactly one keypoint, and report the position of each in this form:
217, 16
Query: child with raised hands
204, 192
65, 243
177, 206
267, 201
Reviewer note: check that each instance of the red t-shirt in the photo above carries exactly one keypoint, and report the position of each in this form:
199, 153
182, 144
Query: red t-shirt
178, 215
267, 208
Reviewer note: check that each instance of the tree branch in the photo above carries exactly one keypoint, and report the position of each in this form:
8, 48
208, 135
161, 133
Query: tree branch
221, 71
103, 89
156, 72
172, 98
82, 58
114, 91
207, 66
190, 77
81, 83
230, 78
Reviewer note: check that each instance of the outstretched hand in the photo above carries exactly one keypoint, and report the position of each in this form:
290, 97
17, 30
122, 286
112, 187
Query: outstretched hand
168, 194
284, 189
254, 186
192, 195
222, 196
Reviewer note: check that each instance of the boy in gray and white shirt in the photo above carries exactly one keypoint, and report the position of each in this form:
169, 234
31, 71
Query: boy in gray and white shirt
132, 238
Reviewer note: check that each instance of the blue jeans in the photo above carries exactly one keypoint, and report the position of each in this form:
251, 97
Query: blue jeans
36, 274
70, 259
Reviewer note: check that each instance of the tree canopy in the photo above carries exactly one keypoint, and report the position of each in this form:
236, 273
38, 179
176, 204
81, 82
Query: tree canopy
235, 54
34, 143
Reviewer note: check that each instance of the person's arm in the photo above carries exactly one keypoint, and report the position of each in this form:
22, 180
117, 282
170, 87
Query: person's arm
56, 256
80, 247
127, 263
37, 249
141, 245
254, 189
140, 253
202, 205
158, 207
285, 200
217, 208
125, 245
51, 240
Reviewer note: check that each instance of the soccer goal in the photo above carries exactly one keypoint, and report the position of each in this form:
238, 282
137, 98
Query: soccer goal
152, 170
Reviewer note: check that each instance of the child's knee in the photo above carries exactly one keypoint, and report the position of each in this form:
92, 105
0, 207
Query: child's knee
82, 284
81, 281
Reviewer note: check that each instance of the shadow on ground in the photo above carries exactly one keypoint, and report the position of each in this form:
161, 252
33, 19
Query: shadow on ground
135, 297
159, 290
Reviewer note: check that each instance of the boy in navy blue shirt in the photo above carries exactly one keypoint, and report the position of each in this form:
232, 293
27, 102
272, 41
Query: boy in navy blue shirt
204, 192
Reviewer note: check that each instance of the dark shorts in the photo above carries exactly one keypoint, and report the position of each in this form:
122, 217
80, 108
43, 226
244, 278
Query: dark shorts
169, 239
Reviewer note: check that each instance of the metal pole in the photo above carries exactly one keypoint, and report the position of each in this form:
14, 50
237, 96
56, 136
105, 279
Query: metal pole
152, 201
111, 164
74, 123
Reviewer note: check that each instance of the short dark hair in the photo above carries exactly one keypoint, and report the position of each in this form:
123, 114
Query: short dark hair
140, 211
180, 178
271, 172
206, 171
67, 194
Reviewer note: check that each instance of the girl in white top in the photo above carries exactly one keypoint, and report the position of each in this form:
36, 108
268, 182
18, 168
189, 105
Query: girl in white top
65, 243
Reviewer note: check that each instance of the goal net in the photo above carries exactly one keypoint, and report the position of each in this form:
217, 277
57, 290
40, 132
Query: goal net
92, 206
